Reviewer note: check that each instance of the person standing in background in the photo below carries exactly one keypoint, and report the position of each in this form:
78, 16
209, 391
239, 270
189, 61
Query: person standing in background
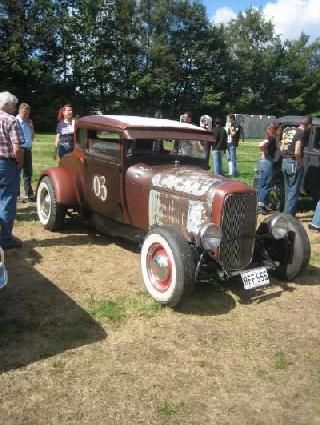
206, 122
268, 150
65, 131
186, 146
233, 133
220, 145
27, 128
292, 166
315, 224
11, 161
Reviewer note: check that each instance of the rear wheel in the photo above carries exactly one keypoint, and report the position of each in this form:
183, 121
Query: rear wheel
167, 265
50, 213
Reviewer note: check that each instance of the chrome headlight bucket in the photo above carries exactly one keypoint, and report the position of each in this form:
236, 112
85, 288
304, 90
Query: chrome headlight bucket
210, 236
279, 226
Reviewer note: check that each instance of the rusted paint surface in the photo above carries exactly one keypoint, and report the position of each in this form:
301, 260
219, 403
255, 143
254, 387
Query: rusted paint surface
167, 209
133, 127
186, 215
198, 214
186, 180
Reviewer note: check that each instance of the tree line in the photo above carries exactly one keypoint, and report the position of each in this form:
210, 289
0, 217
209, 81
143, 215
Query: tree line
143, 56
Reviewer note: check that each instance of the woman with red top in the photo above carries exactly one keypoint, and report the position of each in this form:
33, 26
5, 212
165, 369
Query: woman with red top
65, 131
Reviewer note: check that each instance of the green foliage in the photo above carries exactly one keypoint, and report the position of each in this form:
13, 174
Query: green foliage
140, 57
112, 310
281, 361
119, 309
168, 408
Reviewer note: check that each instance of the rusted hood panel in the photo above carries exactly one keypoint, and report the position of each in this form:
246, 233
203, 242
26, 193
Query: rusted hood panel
186, 181
181, 196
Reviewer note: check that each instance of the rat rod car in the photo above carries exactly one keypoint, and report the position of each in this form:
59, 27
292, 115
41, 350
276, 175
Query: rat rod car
147, 179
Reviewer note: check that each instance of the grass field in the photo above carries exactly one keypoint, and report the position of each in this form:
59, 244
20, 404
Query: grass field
43, 146
81, 343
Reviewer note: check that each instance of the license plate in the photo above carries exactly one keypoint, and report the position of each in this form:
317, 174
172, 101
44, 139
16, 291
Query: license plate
255, 278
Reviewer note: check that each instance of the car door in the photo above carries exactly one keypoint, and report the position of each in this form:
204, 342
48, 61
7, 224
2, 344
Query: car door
102, 173
312, 164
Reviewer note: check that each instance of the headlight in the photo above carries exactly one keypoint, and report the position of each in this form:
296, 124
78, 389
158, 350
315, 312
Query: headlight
279, 226
210, 236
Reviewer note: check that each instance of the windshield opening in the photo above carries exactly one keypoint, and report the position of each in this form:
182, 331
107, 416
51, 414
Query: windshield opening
160, 148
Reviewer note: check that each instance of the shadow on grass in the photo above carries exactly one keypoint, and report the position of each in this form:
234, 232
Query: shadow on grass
75, 232
207, 299
309, 276
37, 319
26, 212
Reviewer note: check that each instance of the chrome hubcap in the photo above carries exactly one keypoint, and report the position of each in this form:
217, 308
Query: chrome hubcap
159, 267
45, 204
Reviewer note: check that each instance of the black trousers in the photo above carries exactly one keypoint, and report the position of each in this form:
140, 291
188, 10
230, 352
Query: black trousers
27, 172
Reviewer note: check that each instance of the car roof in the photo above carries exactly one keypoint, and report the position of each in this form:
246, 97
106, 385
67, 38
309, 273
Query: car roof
296, 119
124, 122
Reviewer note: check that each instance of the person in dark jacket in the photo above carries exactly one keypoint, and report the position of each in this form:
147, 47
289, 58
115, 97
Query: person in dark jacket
292, 166
268, 149
219, 146
233, 132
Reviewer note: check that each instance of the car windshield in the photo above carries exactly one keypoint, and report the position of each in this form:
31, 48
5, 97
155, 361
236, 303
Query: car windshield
159, 148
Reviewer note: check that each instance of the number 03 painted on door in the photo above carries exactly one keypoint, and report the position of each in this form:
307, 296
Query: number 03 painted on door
99, 187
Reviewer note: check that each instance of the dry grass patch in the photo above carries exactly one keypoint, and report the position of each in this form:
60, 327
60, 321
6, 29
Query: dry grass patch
81, 343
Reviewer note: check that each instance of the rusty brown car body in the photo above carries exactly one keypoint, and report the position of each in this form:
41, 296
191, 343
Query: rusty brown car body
147, 179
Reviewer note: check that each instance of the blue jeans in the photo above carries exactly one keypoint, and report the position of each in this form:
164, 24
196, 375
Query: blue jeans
265, 171
293, 176
316, 217
217, 161
9, 183
64, 148
232, 159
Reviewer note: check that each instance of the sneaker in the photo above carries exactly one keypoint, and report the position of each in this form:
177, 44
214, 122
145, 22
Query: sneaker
15, 243
313, 228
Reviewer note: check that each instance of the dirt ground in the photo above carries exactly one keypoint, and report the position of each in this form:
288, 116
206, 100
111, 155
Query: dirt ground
82, 344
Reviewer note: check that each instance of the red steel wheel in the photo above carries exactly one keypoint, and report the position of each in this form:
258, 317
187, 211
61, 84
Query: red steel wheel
167, 265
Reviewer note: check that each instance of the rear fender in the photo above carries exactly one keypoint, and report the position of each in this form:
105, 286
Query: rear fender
66, 184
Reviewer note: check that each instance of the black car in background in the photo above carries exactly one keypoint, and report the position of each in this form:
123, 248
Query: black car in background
311, 182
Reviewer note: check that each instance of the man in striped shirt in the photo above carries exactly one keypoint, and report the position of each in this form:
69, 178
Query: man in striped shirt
11, 160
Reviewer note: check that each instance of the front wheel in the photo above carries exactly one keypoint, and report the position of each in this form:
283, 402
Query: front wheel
50, 213
167, 265
293, 251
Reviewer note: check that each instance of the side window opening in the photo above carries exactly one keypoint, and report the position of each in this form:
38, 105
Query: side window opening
316, 143
105, 143
82, 136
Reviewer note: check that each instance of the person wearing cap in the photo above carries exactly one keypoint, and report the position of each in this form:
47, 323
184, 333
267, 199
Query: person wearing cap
11, 161
28, 136
292, 166
268, 150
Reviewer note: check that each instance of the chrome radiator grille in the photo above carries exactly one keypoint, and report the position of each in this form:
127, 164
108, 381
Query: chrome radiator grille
238, 228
